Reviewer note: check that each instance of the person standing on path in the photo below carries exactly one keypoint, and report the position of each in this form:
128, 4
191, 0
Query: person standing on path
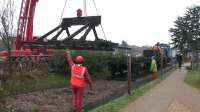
179, 60
79, 78
153, 68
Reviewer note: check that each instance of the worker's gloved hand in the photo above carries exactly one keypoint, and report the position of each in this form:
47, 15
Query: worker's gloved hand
67, 52
90, 86
91, 92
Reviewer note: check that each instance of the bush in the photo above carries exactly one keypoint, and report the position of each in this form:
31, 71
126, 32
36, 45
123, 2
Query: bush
4, 109
193, 78
96, 61
58, 62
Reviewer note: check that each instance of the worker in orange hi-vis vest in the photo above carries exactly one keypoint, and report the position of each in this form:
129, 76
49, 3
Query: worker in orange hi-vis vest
79, 79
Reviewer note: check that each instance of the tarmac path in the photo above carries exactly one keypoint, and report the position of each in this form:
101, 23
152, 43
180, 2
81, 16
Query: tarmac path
171, 95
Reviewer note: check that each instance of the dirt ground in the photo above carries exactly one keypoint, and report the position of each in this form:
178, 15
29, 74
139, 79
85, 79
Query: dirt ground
59, 100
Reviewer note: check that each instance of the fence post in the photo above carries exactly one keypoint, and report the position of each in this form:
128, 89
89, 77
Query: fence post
129, 74
161, 64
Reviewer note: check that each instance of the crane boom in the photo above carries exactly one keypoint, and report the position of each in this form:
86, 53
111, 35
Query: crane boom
25, 23
43, 46
24, 40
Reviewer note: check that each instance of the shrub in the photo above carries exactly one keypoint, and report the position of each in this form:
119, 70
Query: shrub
96, 61
58, 62
4, 109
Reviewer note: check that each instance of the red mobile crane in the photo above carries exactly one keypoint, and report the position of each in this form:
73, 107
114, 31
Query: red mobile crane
24, 31
25, 45
25, 23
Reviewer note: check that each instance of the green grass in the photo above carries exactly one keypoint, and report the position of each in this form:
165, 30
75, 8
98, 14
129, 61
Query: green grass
52, 80
117, 104
193, 78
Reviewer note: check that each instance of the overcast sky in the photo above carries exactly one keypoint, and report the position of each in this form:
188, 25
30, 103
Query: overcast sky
138, 22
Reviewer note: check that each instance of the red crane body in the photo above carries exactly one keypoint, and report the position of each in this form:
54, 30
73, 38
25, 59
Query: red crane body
25, 32
25, 23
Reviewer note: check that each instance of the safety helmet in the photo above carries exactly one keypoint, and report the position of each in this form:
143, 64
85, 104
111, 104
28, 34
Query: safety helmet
79, 59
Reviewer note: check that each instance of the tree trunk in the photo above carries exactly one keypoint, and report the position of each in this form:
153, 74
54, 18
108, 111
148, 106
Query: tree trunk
192, 60
9, 61
197, 60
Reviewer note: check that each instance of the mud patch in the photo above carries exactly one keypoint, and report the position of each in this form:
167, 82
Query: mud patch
59, 100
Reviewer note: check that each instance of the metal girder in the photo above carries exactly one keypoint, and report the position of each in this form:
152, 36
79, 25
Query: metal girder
67, 31
85, 34
93, 20
47, 34
74, 44
56, 36
89, 23
95, 33
76, 33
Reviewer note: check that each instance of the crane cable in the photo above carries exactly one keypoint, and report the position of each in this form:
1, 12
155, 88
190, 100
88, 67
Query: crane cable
85, 14
85, 7
100, 24
63, 11
95, 7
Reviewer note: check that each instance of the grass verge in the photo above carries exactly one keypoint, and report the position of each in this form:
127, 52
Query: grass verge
50, 81
117, 104
193, 78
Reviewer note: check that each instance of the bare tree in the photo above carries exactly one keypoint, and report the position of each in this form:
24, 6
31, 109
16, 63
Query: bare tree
7, 27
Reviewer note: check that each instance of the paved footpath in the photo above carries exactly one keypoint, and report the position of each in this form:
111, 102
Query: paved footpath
171, 95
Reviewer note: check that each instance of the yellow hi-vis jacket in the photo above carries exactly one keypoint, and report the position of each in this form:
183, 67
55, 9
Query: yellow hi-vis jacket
153, 66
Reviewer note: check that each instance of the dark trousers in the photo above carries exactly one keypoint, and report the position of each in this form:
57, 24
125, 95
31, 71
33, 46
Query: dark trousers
179, 63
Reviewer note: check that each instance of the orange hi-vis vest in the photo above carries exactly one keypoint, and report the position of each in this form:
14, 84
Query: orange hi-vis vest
77, 76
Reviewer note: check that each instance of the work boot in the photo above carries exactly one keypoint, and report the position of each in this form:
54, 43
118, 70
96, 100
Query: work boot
74, 110
82, 110
79, 110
